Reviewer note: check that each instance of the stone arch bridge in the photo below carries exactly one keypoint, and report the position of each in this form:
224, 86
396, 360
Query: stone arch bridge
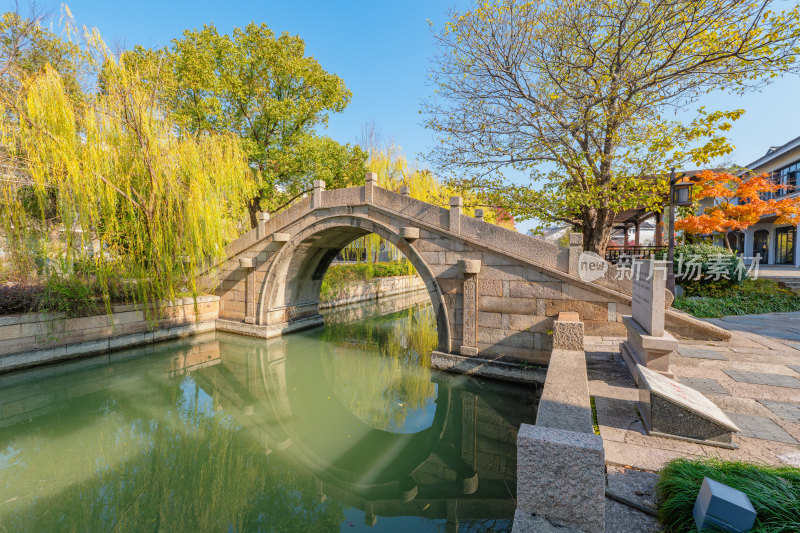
495, 292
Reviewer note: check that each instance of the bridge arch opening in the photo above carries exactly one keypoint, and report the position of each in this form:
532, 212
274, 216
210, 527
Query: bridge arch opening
290, 293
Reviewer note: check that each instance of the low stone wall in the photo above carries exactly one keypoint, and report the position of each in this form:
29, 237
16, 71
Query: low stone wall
373, 289
37, 338
565, 400
382, 306
560, 461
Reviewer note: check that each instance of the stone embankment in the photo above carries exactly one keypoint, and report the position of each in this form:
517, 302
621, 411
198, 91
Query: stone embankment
373, 289
37, 338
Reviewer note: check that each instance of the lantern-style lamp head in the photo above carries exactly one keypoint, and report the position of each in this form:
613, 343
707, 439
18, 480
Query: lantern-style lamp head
682, 194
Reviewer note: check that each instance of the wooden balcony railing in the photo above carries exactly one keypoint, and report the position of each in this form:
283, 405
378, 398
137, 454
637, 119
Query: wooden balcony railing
615, 254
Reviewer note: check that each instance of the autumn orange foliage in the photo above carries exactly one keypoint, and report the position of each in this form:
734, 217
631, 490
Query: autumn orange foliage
737, 203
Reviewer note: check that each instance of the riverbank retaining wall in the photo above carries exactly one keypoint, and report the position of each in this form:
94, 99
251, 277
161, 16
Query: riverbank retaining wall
38, 338
34, 339
373, 289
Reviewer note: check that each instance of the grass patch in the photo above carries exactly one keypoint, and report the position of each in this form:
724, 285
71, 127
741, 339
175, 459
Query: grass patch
774, 492
594, 416
751, 297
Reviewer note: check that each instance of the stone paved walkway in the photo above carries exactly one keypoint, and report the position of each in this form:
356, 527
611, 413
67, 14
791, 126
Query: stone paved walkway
754, 377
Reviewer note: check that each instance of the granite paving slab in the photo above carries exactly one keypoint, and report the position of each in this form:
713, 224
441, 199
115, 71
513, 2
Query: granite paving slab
700, 353
760, 378
763, 362
704, 385
791, 459
634, 485
759, 427
785, 334
787, 411
773, 325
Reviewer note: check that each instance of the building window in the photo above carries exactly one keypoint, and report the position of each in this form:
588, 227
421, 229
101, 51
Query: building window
784, 245
736, 242
786, 176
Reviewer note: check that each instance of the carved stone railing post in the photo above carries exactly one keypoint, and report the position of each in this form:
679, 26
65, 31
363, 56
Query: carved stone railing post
248, 264
455, 214
319, 188
479, 214
262, 218
575, 251
405, 190
469, 320
370, 182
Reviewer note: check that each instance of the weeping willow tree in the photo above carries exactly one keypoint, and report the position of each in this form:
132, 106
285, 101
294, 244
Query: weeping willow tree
104, 181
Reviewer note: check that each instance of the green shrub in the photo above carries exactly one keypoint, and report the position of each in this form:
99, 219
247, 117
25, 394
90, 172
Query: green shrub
395, 268
339, 276
71, 296
79, 296
704, 269
774, 492
751, 297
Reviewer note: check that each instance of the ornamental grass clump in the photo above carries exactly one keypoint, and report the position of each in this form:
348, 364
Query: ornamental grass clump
751, 297
774, 492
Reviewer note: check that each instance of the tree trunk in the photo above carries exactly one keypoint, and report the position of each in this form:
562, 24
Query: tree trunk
254, 207
597, 226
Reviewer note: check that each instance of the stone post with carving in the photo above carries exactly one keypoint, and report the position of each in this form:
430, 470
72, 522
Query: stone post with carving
248, 264
470, 268
575, 251
370, 182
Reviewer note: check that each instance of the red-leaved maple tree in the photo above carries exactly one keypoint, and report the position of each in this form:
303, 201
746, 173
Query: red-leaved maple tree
737, 203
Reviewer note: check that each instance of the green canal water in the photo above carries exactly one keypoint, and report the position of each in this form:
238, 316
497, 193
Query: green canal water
341, 428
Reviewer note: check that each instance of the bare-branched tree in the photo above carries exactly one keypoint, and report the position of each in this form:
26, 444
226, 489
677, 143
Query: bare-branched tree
577, 94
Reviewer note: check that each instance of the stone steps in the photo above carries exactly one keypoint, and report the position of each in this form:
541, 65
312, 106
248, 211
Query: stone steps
788, 282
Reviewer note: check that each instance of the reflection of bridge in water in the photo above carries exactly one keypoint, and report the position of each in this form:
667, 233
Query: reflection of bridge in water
460, 467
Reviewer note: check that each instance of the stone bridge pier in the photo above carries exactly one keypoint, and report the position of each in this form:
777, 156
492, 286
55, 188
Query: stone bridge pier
495, 292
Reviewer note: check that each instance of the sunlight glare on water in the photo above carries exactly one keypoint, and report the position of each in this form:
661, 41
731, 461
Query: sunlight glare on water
340, 428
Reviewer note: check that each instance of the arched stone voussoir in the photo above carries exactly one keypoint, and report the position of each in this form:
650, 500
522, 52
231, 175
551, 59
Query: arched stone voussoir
290, 291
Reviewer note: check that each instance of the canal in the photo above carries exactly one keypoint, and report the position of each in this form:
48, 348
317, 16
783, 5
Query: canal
340, 428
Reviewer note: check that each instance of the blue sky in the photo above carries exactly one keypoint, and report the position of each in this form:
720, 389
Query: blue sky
382, 49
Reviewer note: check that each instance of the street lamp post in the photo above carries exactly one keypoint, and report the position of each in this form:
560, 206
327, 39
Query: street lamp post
671, 234
680, 194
